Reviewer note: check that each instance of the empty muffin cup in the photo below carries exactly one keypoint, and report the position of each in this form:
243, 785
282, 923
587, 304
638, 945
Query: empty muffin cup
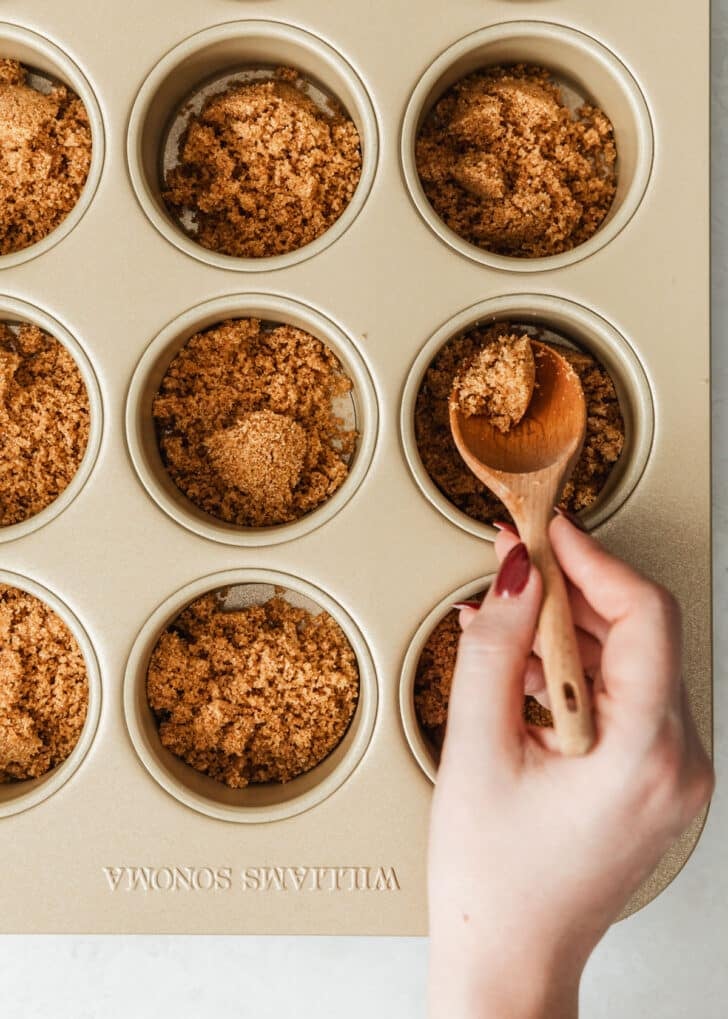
179, 120
51, 415
46, 731
556, 321
586, 72
245, 765
44, 128
252, 449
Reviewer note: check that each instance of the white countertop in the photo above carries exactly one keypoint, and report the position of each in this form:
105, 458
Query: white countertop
669, 961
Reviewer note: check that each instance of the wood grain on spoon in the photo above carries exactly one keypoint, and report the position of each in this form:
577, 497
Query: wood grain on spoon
527, 468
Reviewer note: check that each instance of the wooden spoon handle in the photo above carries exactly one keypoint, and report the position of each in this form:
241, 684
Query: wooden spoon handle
565, 683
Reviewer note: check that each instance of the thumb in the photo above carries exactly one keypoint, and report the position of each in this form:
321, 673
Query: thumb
485, 715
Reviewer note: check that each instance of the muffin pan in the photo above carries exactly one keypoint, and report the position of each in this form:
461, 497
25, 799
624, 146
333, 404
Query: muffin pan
128, 838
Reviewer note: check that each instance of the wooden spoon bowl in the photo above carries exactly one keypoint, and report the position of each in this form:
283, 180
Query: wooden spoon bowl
527, 468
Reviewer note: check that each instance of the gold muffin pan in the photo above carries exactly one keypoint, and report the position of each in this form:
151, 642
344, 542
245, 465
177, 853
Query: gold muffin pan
123, 837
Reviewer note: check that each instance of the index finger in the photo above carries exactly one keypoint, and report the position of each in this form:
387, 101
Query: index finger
641, 660
612, 587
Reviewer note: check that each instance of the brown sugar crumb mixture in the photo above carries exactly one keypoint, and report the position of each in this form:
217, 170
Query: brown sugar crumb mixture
246, 424
433, 680
44, 421
498, 382
43, 687
511, 169
261, 694
602, 447
264, 455
45, 154
263, 170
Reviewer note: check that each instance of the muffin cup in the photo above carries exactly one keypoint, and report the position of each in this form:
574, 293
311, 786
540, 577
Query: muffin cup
418, 742
14, 311
589, 71
255, 803
41, 55
208, 55
16, 797
573, 325
141, 433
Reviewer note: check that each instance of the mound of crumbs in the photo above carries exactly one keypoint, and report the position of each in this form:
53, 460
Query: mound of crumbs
510, 168
262, 169
260, 694
433, 680
498, 382
45, 154
44, 421
43, 687
246, 422
602, 446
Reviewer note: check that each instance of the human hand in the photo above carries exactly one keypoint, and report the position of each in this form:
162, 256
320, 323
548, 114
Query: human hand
533, 855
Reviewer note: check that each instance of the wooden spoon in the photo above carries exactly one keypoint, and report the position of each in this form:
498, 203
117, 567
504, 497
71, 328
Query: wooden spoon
527, 468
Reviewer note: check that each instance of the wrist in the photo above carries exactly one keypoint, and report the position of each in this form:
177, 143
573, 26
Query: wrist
499, 988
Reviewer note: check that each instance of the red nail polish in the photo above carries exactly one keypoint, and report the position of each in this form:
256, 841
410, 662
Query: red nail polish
466, 605
513, 574
503, 525
571, 517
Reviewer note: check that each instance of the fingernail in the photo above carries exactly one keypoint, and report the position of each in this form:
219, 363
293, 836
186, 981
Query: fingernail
571, 517
466, 605
503, 525
513, 574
